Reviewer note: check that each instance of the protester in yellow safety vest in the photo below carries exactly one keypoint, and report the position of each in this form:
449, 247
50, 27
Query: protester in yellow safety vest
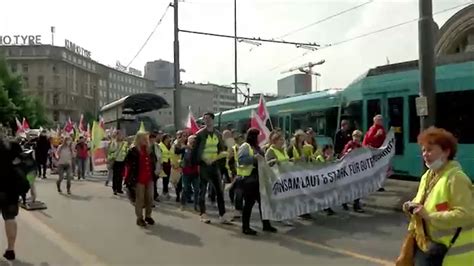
235, 190
248, 157
327, 156
119, 164
156, 160
296, 154
165, 147
295, 151
276, 154
208, 150
177, 170
442, 213
111, 150
310, 148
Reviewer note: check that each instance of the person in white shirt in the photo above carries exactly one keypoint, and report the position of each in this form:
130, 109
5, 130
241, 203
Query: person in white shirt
65, 155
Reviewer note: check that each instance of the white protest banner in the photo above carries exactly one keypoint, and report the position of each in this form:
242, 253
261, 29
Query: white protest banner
289, 190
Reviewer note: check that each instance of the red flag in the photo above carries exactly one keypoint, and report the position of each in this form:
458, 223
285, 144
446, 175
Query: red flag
69, 126
81, 125
25, 125
191, 123
257, 123
262, 111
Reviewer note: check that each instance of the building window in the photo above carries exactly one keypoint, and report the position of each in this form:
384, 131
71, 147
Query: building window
13, 67
56, 115
24, 68
55, 98
40, 82
26, 82
55, 69
74, 59
64, 54
79, 61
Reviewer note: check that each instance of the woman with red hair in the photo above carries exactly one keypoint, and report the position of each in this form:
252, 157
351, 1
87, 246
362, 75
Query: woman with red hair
441, 230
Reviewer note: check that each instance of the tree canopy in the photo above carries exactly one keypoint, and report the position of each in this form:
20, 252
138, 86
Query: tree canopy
15, 103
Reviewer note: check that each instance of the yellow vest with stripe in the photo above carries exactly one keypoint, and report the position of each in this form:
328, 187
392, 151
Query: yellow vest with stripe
111, 151
235, 149
280, 156
121, 152
210, 151
296, 154
245, 170
308, 151
462, 252
165, 153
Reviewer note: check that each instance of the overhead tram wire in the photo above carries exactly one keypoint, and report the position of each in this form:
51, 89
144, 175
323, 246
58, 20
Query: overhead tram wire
369, 34
151, 34
325, 19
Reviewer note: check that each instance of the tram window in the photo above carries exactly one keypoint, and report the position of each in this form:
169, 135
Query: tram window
454, 113
414, 122
373, 109
353, 113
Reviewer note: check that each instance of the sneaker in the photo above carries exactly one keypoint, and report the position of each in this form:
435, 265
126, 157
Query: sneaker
237, 214
205, 219
381, 189
69, 192
9, 255
345, 207
249, 231
224, 220
141, 223
149, 221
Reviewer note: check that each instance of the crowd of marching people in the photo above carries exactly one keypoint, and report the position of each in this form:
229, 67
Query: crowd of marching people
210, 164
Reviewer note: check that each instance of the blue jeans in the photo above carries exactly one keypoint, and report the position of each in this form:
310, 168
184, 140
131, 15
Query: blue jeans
190, 185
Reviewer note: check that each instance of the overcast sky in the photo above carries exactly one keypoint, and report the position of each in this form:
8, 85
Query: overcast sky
115, 29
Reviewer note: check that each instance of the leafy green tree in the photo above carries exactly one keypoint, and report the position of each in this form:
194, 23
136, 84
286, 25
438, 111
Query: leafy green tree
14, 103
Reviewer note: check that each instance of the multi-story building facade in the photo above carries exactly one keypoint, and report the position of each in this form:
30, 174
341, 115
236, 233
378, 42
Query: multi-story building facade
68, 82
161, 72
65, 82
223, 98
115, 84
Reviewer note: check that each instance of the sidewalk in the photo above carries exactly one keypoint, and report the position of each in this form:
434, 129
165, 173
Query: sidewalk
396, 193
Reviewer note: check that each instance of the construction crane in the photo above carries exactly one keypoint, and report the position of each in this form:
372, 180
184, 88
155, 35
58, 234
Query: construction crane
306, 68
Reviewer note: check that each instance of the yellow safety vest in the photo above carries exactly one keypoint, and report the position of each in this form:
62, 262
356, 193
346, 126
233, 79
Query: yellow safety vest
462, 252
308, 151
165, 153
210, 150
280, 156
296, 154
121, 152
111, 150
245, 170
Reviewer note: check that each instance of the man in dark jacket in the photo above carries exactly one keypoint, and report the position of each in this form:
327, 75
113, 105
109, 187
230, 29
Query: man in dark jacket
343, 136
207, 152
41, 152
9, 153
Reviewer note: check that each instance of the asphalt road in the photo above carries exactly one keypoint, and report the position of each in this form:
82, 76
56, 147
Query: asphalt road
94, 227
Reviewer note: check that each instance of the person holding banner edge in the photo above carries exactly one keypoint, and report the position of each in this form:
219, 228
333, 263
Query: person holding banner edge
248, 158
